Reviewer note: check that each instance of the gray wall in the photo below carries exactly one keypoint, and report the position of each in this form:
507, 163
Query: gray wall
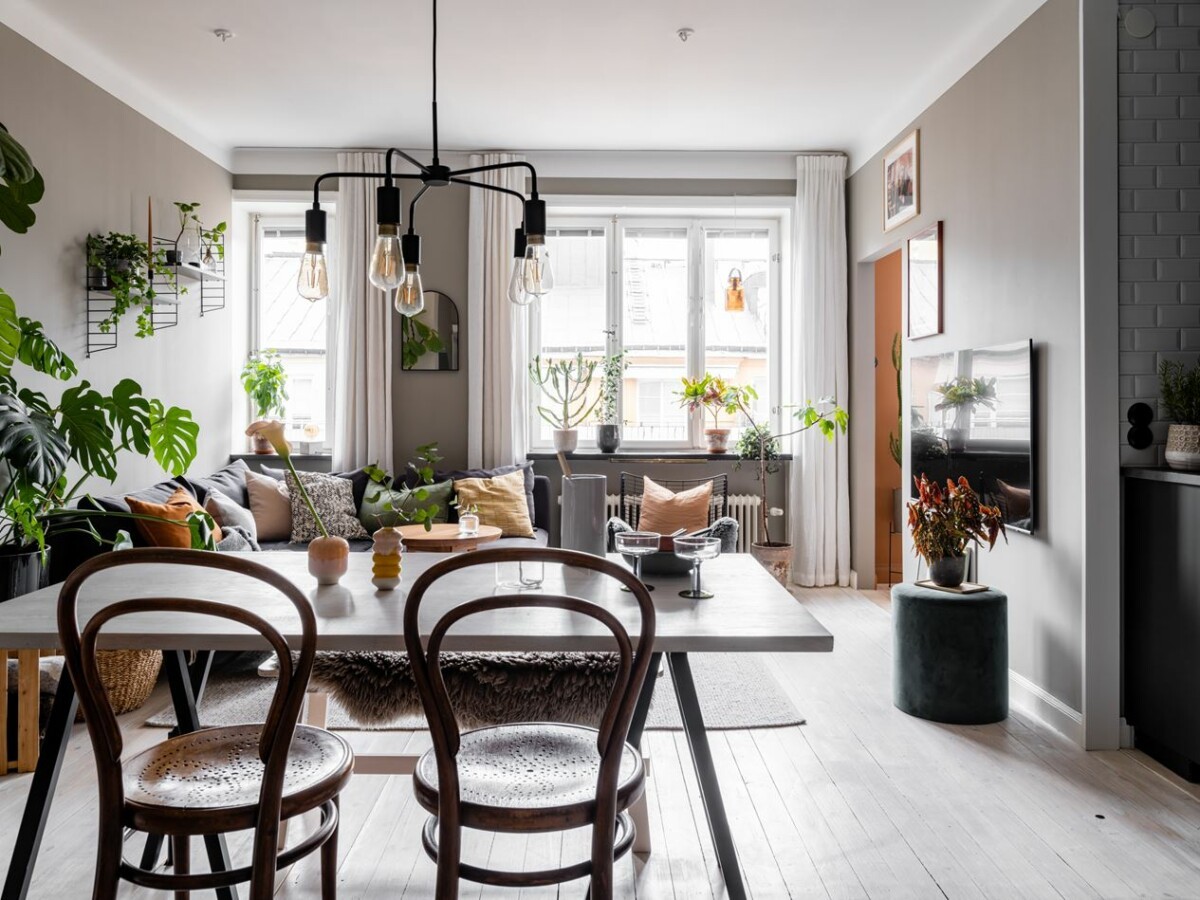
101, 160
1000, 166
1159, 108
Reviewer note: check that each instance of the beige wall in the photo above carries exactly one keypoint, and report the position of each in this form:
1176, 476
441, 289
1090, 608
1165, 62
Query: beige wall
101, 160
1000, 165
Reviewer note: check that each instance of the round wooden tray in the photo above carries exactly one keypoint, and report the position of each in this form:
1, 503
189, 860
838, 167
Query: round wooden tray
446, 538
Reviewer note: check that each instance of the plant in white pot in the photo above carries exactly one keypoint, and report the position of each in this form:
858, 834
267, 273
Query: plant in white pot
567, 383
943, 522
265, 382
1179, 401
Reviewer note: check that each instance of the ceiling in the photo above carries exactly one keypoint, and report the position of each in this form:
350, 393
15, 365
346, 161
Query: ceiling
757, 75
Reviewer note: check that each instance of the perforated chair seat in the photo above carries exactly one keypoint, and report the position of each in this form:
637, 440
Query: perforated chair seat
216, 773
529, 777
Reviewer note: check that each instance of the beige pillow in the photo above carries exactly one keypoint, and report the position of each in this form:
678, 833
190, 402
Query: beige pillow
501, 502
666, 512
271, 505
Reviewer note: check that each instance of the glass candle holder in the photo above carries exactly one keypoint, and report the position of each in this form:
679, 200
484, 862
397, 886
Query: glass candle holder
697, 549
638, 545
468, 523
521, 575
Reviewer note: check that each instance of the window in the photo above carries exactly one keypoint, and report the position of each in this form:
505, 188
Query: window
282, 320
655, 288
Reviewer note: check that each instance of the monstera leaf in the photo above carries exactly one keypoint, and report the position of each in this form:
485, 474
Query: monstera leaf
17, 200
29, 441
15, 164
172, 437
129, 415
10, 333
86, 429
43, 355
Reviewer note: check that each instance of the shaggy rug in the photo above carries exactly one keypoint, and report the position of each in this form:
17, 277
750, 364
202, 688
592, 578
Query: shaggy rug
374, 691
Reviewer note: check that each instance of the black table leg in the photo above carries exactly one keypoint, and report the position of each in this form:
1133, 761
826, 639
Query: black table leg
637, 724
706, 774
41, 791
186, 688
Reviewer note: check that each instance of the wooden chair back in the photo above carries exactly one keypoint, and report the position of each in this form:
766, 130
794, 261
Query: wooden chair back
79, 650
633, 486
631, 674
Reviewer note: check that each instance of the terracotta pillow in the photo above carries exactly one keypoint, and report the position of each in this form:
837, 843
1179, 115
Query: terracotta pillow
271, 505
664, 511
501, 502
174, 533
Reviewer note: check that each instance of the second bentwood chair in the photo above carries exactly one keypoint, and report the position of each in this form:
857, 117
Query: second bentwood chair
533, 776
214, 780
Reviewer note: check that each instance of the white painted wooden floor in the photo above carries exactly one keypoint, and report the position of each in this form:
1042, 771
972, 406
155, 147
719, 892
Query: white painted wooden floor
863, 801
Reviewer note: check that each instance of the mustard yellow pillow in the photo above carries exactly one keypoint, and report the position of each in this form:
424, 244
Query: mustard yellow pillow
501, 502
666, 512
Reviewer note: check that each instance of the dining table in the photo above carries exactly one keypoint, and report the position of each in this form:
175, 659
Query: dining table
749, 612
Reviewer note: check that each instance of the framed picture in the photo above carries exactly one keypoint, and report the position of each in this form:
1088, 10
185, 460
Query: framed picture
925, 282
902, 181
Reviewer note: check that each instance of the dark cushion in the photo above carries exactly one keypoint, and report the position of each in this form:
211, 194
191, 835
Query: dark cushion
358, 481
458, 474
541, 502
230, 481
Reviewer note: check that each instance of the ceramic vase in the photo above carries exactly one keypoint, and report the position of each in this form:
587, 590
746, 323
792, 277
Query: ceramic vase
328, 559
608, 438
565, 440
949, 571
1183, 447
386, 553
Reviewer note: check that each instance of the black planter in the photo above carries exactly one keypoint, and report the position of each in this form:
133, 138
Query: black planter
98, 279
948, 571
21, 571
608, 438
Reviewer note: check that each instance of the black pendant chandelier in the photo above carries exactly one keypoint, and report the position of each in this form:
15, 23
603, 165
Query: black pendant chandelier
396, 257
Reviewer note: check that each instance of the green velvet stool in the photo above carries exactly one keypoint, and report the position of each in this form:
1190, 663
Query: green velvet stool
950, 655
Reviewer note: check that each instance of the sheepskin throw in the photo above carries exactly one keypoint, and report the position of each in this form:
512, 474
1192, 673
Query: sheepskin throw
484, 688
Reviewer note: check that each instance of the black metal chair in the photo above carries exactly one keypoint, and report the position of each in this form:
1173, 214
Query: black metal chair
530, 777
633, 486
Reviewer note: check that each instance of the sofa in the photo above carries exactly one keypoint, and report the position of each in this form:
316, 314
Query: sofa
68, 550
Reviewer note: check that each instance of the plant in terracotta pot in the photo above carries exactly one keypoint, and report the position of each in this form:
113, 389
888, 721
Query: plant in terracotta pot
265, 382
1179, 390
608, 426
943, 522
714, 395
328, 555
567, 383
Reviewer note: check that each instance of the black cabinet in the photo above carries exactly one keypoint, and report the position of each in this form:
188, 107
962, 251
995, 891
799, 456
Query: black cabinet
1161, 633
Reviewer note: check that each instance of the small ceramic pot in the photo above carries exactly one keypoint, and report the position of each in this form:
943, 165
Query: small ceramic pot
1183, 447
718, 439
328, 559
948, 571
608, 438
386, 548
468, 523
776, 558
565, 440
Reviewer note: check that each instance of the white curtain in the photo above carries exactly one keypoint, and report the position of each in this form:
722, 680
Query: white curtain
820, 486
497, 330
362, 323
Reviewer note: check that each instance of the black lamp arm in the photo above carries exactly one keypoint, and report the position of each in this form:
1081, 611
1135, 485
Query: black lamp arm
396, 152
328, 175
412, 208
533, 192
490, 187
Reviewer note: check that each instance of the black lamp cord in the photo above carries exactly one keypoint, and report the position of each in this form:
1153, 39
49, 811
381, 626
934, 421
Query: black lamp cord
435, 117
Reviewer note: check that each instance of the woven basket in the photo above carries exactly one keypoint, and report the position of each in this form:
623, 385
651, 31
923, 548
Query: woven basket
128, 676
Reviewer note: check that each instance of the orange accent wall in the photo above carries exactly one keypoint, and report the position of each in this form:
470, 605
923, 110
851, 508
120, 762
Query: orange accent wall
889, 287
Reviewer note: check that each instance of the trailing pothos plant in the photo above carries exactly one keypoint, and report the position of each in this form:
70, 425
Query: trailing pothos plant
128, 266
385, 491
49, 449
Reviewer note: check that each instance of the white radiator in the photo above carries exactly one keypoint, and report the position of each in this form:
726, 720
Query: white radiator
743, 507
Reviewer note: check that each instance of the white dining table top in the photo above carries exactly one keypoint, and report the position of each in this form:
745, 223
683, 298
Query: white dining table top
751, 612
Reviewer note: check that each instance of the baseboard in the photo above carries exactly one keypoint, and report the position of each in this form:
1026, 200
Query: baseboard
1045, 707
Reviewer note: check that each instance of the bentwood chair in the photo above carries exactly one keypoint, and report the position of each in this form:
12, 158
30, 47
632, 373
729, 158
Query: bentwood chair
529, 777
214, 780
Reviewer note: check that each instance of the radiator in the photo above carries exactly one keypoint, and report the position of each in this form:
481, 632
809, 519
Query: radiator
743, 507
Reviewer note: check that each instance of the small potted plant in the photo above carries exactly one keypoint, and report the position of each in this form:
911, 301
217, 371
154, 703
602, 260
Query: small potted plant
188, 242
943, 522
608, 428
125, 266
265, 382
213, 238
714, 395
961, 396
1180, 402
567, 383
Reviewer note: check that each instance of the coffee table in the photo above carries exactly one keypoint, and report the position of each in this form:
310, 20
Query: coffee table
446, 538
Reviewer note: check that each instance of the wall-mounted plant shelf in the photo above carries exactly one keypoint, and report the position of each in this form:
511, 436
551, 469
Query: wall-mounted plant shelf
164, 312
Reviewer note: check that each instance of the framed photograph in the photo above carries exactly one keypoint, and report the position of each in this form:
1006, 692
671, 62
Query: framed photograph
925, 282
902, 181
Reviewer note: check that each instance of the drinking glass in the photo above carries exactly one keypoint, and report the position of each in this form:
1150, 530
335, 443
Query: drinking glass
638, 544
523, 575
697, 549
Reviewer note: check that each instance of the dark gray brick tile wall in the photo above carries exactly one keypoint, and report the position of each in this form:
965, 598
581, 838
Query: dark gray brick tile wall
1159, 109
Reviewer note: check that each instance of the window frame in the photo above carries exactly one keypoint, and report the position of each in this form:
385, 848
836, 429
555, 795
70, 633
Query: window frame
770, 214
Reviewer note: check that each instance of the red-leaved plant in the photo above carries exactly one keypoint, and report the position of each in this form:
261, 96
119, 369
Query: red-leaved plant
943, 521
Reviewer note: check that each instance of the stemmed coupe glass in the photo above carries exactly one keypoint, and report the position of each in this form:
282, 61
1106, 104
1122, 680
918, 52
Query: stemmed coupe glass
697, 549
638, 544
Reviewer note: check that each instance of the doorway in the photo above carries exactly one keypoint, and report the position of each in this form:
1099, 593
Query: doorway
889, 548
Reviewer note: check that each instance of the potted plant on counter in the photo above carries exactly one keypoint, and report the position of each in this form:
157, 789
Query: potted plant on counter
943, 522
265, 382
1180, 402
608, 428
714, 395
566, 382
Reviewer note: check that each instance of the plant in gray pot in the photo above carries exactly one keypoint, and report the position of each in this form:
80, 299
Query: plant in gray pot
612, 379
1179, 390
944, 521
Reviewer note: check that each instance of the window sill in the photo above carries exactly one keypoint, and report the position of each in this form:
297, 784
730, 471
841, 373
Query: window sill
629, 456
274, 456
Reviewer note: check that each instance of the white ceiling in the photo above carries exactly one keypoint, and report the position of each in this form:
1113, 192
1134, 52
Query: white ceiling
757, 75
